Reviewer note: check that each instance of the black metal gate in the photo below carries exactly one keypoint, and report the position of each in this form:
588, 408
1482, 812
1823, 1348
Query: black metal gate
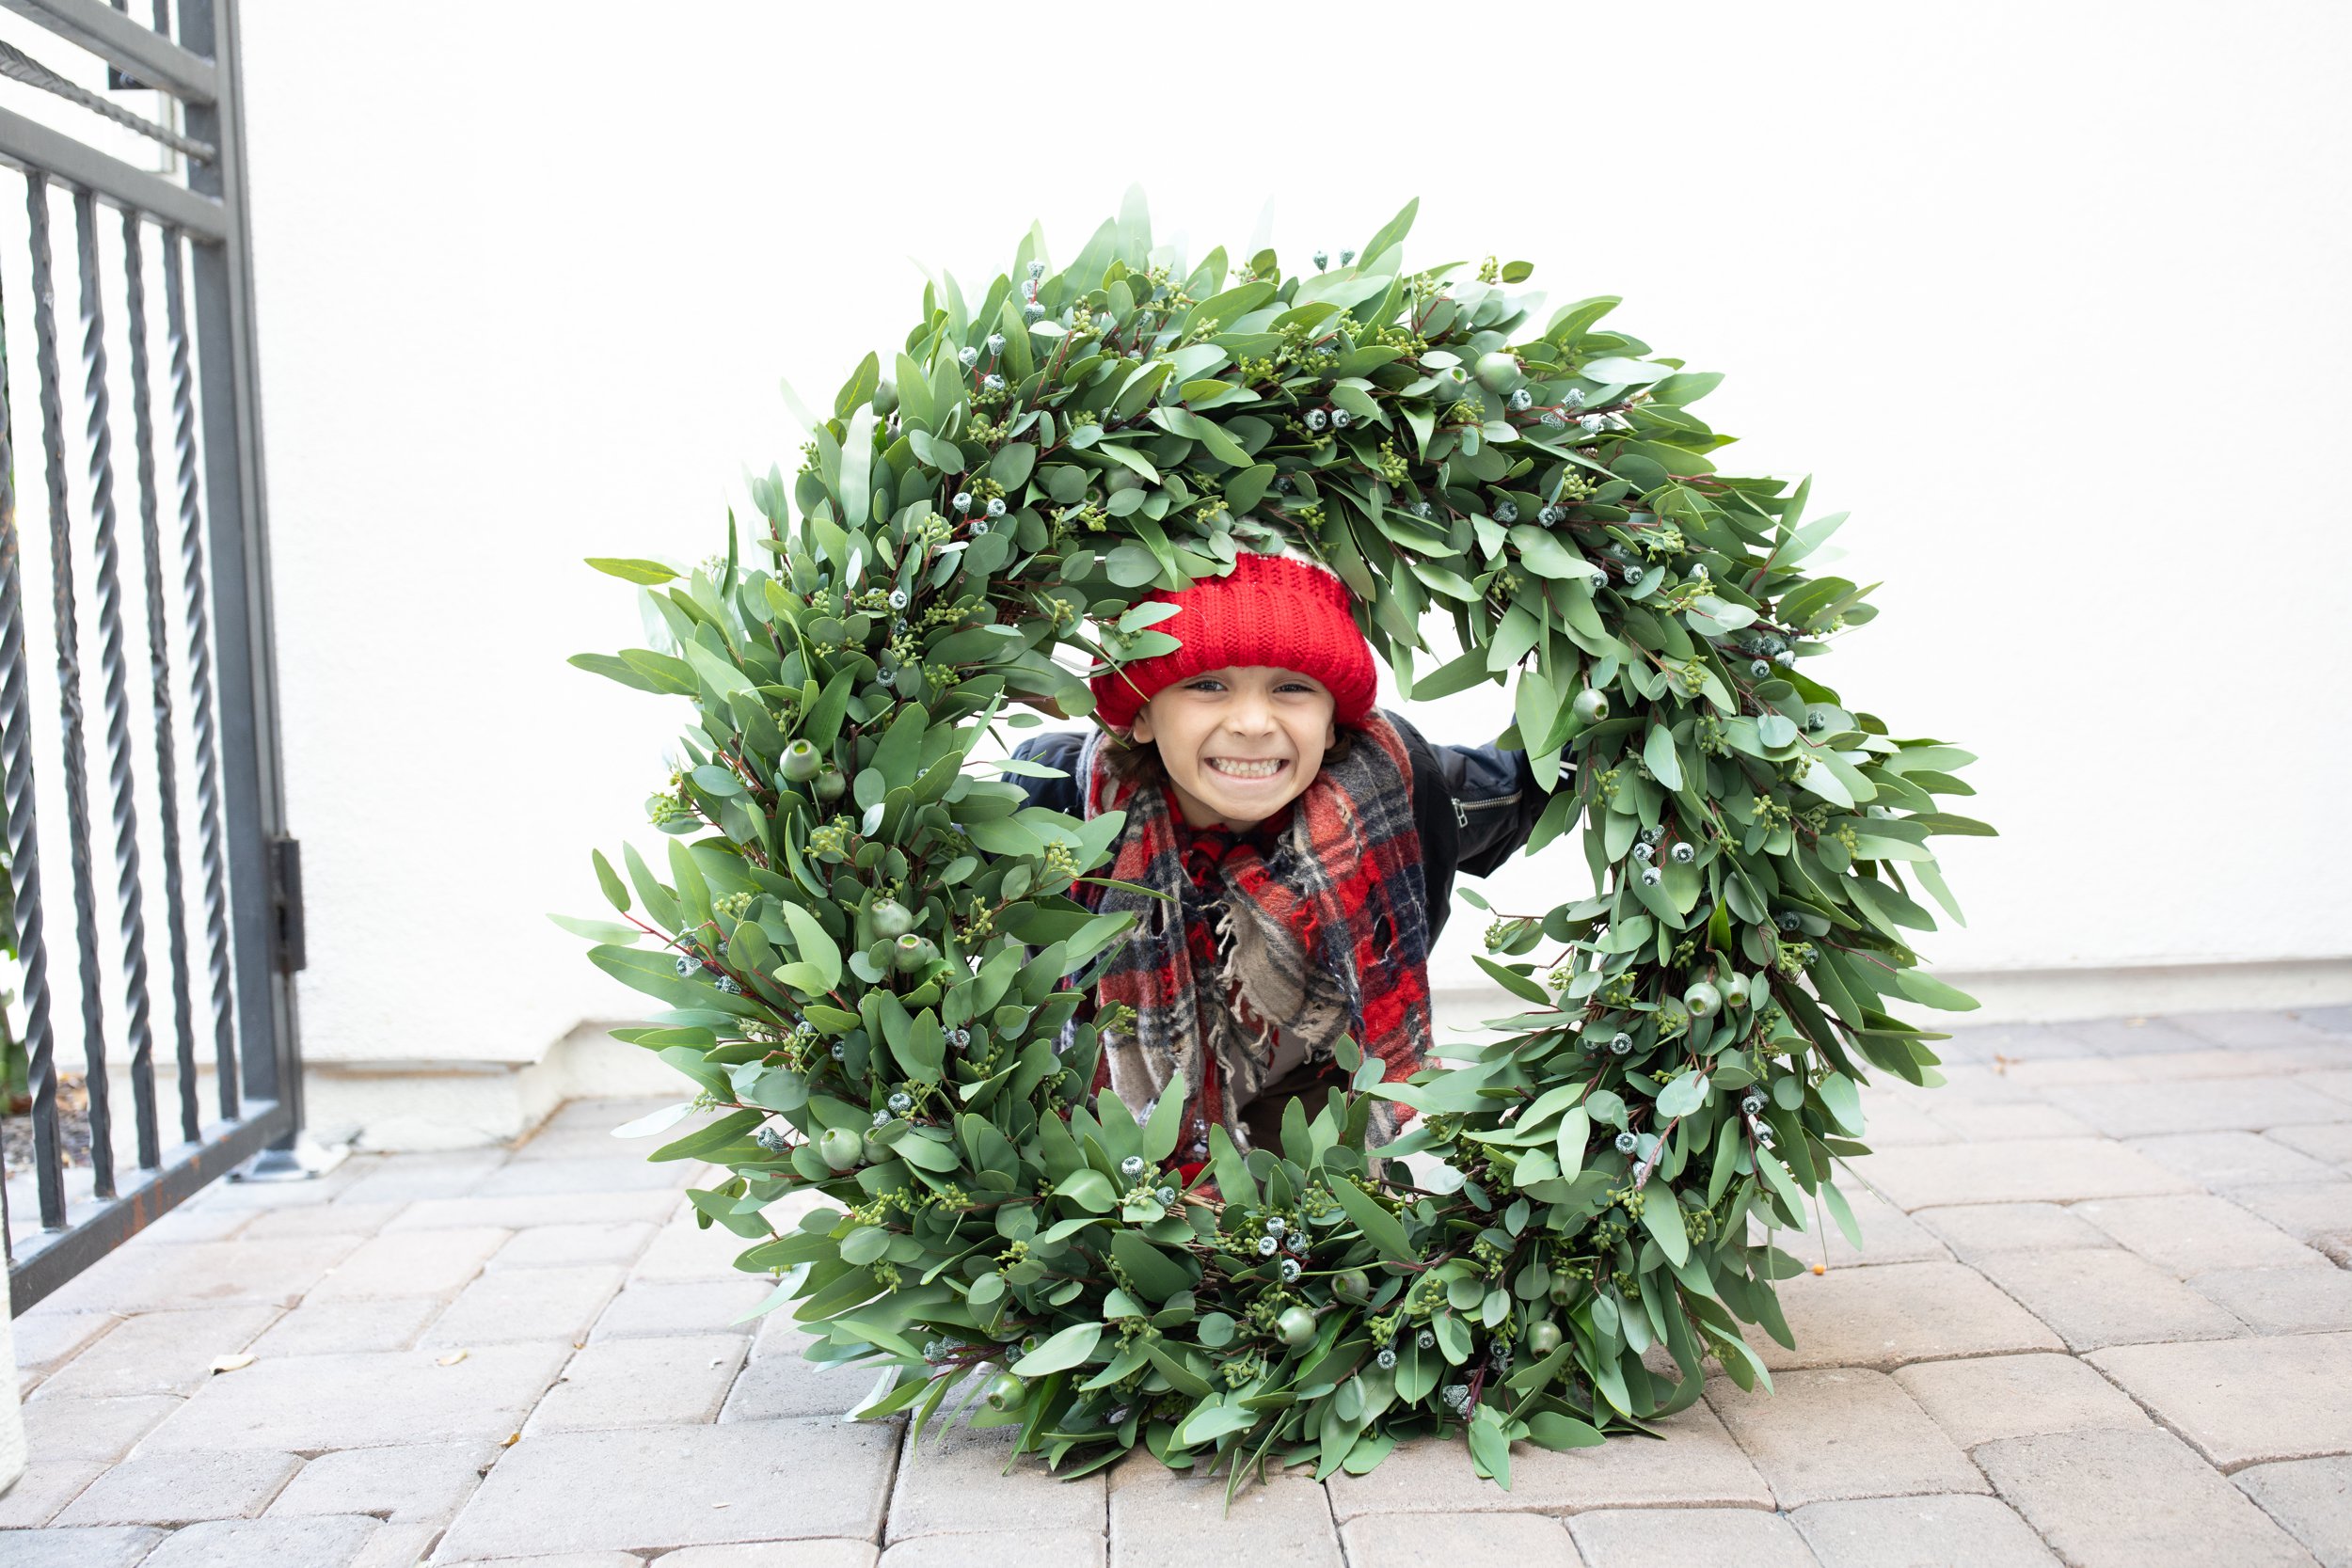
193, 780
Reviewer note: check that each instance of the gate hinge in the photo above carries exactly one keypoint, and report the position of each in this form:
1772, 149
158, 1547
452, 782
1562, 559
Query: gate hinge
285, 876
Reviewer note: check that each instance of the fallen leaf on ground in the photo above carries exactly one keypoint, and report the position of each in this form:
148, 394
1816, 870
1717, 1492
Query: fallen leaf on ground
452, 1358
233, 1363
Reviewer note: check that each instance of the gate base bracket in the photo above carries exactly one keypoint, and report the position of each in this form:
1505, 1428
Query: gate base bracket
308, 1159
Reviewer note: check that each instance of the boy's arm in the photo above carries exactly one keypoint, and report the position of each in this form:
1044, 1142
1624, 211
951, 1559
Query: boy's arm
1055, 749
1497, 801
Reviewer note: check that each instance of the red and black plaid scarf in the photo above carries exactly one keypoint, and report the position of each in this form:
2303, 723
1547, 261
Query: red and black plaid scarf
1327, 932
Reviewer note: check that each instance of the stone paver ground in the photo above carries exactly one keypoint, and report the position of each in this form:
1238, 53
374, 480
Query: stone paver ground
2100, 1315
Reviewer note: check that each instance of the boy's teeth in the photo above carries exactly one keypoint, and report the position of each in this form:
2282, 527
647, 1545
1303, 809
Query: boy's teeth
1247, 769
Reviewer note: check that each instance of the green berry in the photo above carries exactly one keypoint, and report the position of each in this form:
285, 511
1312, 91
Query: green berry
1591, 705
1005, 1391
841, 1148
911, 953
1543, 1338
831, 785
1702, 999
800, 762
1296, 1325
892, 919
1352, 1284
1497, 371
1735, 988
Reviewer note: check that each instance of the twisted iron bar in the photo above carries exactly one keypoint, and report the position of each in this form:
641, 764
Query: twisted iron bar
16, 758
18, 65
159, 676
108, 552
70, 709
202, 716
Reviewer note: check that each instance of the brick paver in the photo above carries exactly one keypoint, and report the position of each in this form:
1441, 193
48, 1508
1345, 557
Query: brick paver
159, 1352
2099, 1314
1163, 1518
1698, 1466
2313, 1498
1052, 1548
2244, 1401
303, 1404
404, 1485
656, 1381
2017, 1396
1807, 1435
183, 1489
1973, 1230
955, 1483
2132, 1499
2222, 1161
2107, 1297
1438, 1540
678, 1486
2305, 1299
2316, 1212
2048, 1170
1884, 1316
1951, 1531
105, 1547
1644, 1537
2194, 1232
534, 1305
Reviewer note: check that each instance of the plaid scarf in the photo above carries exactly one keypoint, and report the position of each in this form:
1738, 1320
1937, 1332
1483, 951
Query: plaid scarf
1295, 931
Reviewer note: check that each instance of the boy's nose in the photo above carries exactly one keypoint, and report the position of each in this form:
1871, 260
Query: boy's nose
1251, 714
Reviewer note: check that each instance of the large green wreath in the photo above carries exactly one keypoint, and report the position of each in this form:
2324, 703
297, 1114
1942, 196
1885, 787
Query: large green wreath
865, 937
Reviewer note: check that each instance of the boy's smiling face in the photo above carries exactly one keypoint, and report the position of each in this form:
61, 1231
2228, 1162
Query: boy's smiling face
1240, 743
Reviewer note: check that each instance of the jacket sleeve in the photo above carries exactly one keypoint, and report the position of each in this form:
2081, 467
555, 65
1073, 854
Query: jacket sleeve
1496, 802
1055, 749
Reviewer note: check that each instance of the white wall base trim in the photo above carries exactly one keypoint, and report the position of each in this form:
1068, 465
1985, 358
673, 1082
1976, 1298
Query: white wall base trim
409, 1106
423, 1104
2055, 995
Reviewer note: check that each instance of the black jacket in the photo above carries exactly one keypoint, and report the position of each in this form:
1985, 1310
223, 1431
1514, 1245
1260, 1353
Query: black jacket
1475, 804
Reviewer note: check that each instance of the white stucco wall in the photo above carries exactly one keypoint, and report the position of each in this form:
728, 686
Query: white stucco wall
2049, 297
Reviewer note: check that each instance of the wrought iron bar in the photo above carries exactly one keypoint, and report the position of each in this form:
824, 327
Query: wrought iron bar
201, 718
38, 149
159, 672
16, 66
70, 697
129, 898
147, 54
98, 435
16, 755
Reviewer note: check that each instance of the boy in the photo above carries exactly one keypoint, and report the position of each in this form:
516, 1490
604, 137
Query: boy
1306, 842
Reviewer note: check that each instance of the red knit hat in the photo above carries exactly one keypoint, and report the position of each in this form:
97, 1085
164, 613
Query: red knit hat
1271, 610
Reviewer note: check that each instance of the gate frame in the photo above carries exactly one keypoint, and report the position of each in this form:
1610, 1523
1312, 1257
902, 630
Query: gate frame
263, 1113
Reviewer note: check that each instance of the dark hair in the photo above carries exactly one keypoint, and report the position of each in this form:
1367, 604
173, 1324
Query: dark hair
1130, 761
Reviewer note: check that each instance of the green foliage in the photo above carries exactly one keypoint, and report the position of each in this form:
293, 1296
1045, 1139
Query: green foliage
1004, 488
